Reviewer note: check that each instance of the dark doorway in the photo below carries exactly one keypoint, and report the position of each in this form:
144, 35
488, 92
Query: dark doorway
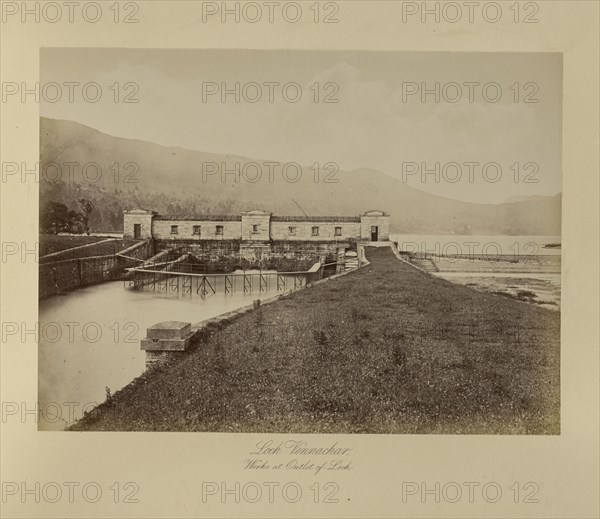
137, 231
374, 232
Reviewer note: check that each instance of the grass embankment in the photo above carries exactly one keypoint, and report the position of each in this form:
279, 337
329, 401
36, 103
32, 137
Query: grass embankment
386, 349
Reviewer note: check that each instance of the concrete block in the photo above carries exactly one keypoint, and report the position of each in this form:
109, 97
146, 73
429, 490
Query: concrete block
169, 330
148, 344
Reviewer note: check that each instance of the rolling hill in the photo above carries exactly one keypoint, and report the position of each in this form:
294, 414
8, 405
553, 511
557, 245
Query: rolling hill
140, 174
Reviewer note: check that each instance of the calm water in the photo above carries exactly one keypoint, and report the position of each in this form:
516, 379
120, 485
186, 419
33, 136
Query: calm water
90, 340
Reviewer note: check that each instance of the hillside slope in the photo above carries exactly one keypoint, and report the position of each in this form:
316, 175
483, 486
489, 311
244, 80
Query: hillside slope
170, 180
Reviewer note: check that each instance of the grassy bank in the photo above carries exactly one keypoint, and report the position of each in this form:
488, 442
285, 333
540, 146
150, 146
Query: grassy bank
386, 349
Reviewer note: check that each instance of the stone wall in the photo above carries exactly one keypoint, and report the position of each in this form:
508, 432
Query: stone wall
70, 274
256, 226
214, 250
303, 230
236, 230
141, 250
162, 230
285, 256
325, 250
217, 256
375, 218
138, 217
66, 275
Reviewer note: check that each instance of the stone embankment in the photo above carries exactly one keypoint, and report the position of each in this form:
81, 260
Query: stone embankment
61, 276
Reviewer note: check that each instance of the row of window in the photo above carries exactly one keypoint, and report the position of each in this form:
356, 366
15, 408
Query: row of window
315, 231
197, 229
255, 229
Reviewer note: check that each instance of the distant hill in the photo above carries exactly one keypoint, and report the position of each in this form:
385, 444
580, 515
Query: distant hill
169, 180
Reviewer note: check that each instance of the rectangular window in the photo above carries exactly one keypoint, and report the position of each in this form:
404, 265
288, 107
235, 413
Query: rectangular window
255, 228
197, 230
219, 230
338, 231
292, 231
315, 231
174, 229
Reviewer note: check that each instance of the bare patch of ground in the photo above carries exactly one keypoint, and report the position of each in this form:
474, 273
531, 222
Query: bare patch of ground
540, 291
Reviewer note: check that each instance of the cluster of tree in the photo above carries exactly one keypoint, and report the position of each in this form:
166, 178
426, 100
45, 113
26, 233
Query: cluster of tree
56, 217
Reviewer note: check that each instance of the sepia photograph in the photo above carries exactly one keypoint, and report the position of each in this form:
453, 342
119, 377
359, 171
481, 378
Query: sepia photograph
300, 241
300, 259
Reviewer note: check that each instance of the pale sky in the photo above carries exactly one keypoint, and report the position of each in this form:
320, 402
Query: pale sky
372, 126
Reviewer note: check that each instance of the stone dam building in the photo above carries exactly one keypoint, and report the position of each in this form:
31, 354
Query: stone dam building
256, 226
208, 245
258, 239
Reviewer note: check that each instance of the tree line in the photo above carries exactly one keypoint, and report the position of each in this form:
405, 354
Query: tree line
56, 217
